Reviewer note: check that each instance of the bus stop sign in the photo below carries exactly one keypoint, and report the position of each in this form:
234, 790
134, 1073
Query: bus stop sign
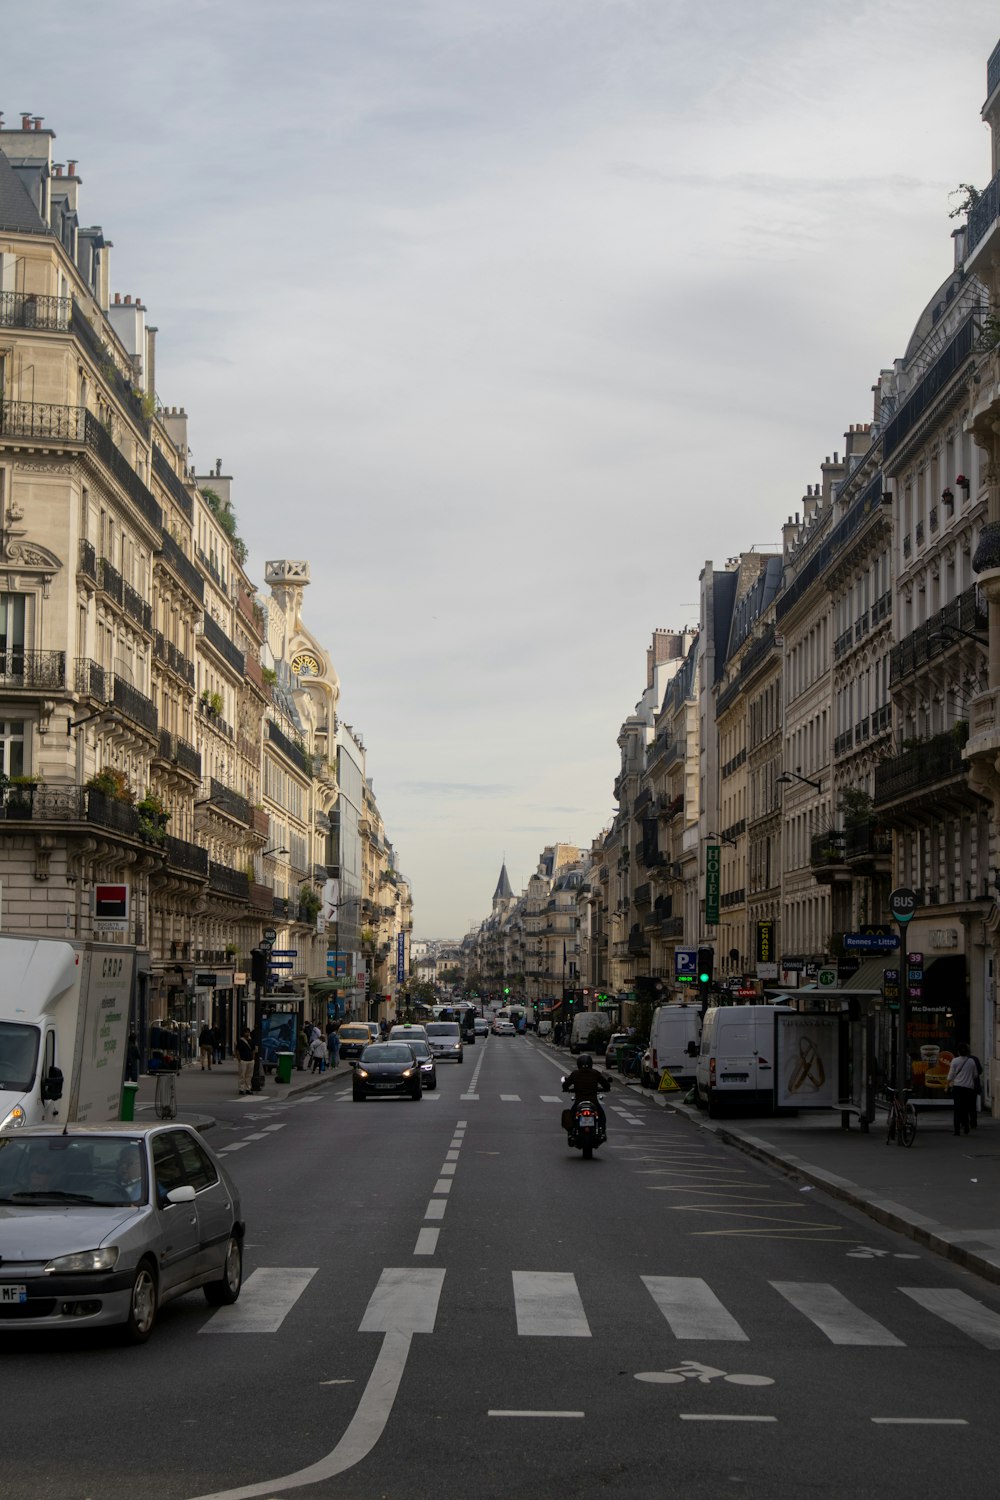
902, 904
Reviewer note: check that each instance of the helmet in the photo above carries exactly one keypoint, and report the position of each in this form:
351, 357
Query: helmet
585, 1060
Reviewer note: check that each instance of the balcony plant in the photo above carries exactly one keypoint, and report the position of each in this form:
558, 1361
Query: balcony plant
310, 901
111, 783
18, 795
153, 819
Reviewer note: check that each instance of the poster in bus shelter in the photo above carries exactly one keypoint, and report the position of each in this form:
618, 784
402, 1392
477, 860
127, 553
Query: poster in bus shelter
806, 1063
930, 1046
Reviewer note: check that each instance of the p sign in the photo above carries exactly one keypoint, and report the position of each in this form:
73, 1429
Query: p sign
903, 904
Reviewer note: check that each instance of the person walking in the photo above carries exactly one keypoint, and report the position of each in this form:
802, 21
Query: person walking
333, 1046
245, 1054
217, 1048
317, 1051
963, 1080
206, 1047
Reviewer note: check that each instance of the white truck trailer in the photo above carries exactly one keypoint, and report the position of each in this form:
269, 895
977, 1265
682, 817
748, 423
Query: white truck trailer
64, 1023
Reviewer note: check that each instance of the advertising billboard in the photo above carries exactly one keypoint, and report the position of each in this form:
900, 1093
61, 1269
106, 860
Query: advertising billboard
808, 1050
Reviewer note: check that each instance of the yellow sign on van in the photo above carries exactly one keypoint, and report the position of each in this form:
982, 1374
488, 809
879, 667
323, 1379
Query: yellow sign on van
667, 1084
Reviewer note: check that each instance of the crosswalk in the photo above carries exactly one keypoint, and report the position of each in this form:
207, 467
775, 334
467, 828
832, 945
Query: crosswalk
550, 1304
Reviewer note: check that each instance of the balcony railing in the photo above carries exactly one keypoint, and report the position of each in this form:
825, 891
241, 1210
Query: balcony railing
91, 679
181, 566
33, 670
229, 802
961, 617
29, 310
137, 608
88, 560
260, 822
262, 897
987, 208
170, 481
826, 849
227, 882
867, 840
99, 440
939, 759
295, 753
134, 705
217, 638
42, 420
110, 581
180, 753
184, 856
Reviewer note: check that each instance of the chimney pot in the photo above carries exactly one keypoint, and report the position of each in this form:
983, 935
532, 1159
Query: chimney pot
25, 122
72, 169
57, 168
38, 121
128, 300
118, 297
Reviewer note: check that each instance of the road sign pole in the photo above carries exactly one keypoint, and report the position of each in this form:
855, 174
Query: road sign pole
902, 905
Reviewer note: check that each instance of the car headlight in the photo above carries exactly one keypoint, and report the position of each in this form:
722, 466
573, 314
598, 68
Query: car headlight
85, 1260
361, 1072
14, 1119
407, 1072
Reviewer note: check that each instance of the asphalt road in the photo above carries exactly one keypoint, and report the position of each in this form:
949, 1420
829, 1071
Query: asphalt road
442, 1300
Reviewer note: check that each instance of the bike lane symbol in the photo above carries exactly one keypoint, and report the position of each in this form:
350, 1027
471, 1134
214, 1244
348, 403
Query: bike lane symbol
701, 1374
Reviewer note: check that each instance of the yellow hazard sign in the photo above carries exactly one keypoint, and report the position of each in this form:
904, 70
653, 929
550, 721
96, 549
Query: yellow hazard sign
667, 1084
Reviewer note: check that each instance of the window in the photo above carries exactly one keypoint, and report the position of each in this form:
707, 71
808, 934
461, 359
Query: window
12, 613
199, 1169
12, 747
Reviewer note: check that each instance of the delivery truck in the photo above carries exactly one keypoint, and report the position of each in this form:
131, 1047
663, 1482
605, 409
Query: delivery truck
64, 1024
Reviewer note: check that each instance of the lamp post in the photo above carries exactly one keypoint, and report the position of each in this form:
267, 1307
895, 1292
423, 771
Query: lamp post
787, 777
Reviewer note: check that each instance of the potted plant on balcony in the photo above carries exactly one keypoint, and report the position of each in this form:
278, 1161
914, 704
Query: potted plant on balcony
310, 902
153, 819
111, 783
18, 793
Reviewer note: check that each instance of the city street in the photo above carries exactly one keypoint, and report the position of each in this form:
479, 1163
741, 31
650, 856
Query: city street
446, 1301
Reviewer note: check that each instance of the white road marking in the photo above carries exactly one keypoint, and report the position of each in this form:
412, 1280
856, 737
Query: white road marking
426, 1242
399, 1313
436, 1208
840, 1320
405, 1300
510, 1098
692, 1309
451, 1156
268, 1296
548, 1305
443, 1185
468, 1096
236, 1146
461, 1124
551, 1098
920, 1421
448, 1169
275, 1127
959, 1309
496, 1413
260, 1136
709, 1416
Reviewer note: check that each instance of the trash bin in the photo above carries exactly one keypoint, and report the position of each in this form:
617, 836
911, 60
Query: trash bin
285, 1061
127, 1108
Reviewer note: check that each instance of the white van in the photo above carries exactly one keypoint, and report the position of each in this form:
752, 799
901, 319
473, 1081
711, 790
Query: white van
736, 1063
584, 1026
674, 1039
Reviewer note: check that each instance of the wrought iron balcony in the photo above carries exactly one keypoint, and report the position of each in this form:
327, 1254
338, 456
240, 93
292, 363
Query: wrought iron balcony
929, 765
672, 927
137, 608
227, 882
179, 753
44, 420
181, 566
295, 753
170, 482
184, 856
827, 856
88, 560
984, 214
224, 799
217, 638
32, 670
134, 705
867, 843
30, 310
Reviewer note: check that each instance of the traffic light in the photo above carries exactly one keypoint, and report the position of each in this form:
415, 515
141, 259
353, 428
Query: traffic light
258, 965
706, 959
506, 989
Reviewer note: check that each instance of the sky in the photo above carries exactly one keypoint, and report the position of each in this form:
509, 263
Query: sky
507, 318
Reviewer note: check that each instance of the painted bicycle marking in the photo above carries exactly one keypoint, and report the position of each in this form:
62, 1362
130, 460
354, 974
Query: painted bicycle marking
701, 1374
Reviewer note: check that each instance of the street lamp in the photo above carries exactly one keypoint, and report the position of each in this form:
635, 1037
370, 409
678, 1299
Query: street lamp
724, 838
944, 631
789, 776
265, 852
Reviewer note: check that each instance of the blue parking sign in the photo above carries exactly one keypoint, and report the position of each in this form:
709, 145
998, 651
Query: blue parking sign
685, 963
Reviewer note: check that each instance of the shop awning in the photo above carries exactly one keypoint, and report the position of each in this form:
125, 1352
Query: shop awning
865, 982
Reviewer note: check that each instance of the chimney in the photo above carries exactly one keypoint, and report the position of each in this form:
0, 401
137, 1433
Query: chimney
72, 169
57, 168
118, 297
128, 301
25, 122
37, 121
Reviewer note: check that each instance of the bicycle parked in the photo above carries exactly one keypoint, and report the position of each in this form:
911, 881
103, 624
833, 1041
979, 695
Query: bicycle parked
902, 1122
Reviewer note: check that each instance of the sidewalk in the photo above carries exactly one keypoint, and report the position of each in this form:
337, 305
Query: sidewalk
942, 1192
198, 1091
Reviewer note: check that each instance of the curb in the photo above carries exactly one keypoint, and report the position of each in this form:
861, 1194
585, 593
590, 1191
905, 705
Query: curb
984, 1261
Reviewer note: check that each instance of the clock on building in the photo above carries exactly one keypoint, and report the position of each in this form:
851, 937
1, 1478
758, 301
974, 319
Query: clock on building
304, 664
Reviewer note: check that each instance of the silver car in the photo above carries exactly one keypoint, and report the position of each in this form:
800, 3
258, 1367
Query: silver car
103, 1224
445, 1039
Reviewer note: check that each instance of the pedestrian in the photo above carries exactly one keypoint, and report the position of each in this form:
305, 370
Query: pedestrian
245, 1054
205, 1047
973, 1113
333, 1046
317, 1051
217, 1048
963, 1077
383, 1027
132, 1059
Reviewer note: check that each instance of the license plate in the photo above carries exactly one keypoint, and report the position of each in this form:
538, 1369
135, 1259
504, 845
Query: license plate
13, 1293
385, 1085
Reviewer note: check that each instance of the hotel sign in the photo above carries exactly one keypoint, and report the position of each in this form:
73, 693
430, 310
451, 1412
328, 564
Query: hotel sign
713, 869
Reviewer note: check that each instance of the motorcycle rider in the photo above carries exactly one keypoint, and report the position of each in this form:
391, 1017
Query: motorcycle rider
586, 1083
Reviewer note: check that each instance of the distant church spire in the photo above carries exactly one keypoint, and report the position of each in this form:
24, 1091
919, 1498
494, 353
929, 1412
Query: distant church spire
503, 891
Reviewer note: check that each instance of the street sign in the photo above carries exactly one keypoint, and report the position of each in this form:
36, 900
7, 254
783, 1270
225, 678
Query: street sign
266, 944
903, 903
685, 963
284, 952
870, 942
280, 963
826, 977
270, 933
713, 875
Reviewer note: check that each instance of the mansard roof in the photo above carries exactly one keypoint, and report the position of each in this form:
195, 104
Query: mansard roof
17, 212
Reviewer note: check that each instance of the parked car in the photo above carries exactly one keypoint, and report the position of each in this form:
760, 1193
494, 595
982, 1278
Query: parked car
618, 1039
387, 1068
544, 1028
103, 1224
674, 1039
445, 1040
354, 1038
425, 1058
589, 1033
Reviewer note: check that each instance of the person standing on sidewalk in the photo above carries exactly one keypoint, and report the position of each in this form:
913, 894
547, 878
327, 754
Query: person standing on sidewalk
333, 1046
245, 1054
963, 1080
317, 1051
206, 1046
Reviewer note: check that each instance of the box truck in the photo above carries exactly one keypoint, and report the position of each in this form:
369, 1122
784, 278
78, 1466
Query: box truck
64, 1023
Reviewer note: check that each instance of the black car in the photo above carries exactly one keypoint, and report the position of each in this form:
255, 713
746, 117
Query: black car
387, 1068
425, 1061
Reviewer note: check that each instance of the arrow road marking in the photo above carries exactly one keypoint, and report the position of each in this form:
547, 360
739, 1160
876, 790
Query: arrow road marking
405, 1302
